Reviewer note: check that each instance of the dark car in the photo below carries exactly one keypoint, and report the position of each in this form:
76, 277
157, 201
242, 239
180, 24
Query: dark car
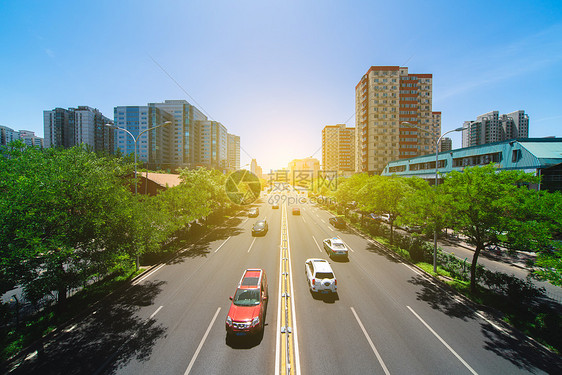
337, 222
296, 211
254, 212
259, 228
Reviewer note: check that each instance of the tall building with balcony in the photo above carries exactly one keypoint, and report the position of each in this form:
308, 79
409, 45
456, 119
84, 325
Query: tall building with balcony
233, 151
388, 101
75, 126
338, 149
491, 127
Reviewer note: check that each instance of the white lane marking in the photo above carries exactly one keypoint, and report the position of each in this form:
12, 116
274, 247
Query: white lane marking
148, 274
492, 323
385, 369
322, 220
319, 248
31, 356
332, 229
244, 222
412, 268
222, 244
156, 312
278, 334
303, 219
443, 342
201, 343
252, 244
293, 312
71, 328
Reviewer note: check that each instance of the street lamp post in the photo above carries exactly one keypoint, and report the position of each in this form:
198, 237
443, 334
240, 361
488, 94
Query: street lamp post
436, 182
135, 139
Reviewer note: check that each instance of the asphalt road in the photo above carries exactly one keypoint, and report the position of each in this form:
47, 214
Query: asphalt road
387, 317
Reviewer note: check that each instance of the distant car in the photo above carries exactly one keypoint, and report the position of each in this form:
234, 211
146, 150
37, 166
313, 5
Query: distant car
383, 217
254, 212
320, 276
337, 222
336, 248
249, 304
413, 228
296, 211
275, 206
260, 228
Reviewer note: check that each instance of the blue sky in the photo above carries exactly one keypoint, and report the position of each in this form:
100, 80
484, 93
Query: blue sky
277, 72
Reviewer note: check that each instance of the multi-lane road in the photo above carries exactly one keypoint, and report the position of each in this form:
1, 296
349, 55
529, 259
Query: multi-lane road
387, 317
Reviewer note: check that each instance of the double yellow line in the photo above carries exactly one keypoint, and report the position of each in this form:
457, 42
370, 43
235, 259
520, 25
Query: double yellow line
287, 356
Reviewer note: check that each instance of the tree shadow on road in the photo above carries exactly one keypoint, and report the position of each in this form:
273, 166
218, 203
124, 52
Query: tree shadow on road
440, 299
508, 343
200, 247
104, 340
380, 250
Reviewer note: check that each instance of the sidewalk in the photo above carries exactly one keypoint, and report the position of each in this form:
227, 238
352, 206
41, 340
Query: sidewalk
520, 259
516, 263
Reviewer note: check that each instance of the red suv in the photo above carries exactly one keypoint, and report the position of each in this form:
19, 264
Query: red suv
247, 311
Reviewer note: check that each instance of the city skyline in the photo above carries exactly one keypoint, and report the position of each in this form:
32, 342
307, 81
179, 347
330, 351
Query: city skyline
276, 75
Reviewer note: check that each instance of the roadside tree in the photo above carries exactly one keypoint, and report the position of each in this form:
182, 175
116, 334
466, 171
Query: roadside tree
488, 206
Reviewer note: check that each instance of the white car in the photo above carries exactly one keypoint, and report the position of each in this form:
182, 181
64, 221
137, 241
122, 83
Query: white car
320, 277
336, 248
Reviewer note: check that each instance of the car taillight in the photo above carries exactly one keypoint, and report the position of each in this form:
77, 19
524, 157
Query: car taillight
336, 282
313, 281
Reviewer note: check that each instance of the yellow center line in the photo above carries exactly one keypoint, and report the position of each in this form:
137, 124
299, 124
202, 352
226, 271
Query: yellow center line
287, 357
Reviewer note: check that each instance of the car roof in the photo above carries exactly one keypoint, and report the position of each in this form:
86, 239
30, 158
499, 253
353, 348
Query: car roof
250, 278
321, 265
336, 240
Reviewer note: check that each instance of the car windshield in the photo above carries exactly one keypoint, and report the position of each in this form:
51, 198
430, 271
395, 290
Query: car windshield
324, 275
259, 224
338, 245
247, 297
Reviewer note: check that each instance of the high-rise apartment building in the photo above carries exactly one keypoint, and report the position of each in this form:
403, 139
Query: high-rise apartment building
191, 140
8, 135
75, 126
446, 144
388, 100
213, 144
338, 148
185, 133
491, 127
153, 146
233, 151
29, 138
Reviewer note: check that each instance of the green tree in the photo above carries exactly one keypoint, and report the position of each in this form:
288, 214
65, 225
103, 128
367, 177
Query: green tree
348, 189
66, 215
486, 206
384, 194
